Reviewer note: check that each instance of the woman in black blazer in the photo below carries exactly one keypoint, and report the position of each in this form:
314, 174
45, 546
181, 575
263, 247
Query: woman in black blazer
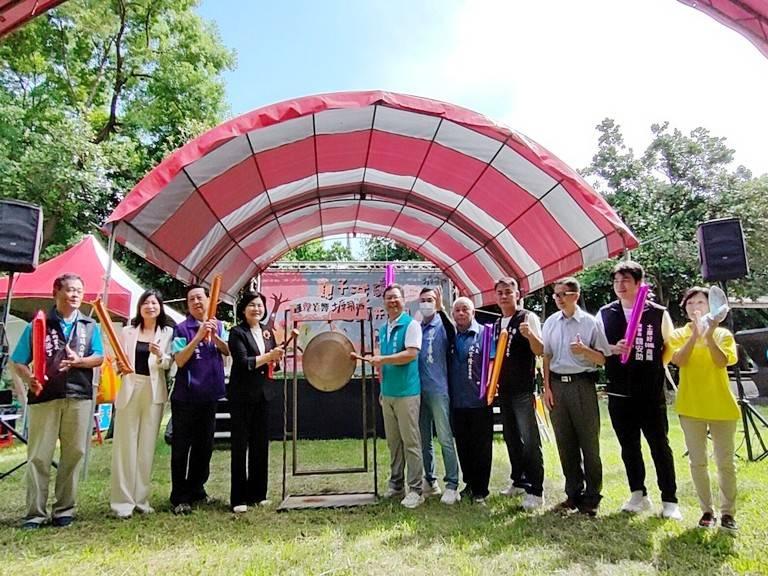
253, 348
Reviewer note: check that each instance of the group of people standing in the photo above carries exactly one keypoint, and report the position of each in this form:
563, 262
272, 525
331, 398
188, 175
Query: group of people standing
60, 407
430, 383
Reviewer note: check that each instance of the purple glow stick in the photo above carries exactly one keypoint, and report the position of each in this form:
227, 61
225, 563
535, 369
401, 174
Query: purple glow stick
486, 343
389, 275
634, 319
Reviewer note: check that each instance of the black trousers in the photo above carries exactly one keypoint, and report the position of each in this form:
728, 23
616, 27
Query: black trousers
521, 435
473, 431
630, 417
191, 449
250, 451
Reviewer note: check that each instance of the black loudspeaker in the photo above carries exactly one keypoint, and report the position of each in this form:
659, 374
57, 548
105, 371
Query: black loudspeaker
21, 234
722, 252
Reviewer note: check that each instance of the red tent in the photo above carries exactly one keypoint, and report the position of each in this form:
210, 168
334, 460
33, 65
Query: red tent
748, 17
87, 258
478, 199
14, 13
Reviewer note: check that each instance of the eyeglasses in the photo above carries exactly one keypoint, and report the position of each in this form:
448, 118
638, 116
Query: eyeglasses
562, 295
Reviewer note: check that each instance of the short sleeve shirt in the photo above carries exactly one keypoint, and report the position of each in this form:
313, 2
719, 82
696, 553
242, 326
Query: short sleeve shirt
22, 354
558, 333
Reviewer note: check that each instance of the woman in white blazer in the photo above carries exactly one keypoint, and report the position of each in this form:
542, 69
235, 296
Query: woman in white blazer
139, 405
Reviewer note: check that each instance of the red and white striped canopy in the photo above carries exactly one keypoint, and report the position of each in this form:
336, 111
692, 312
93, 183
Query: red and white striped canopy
15, 13
748, 17
476, 198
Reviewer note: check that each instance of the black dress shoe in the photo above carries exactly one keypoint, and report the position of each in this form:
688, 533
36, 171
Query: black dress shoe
62, 521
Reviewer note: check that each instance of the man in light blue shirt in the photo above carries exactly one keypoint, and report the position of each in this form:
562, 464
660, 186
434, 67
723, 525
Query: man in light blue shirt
574, 349
437, 335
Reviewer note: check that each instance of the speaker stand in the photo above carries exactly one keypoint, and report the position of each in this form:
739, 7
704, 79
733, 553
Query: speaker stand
4, 351
751, 419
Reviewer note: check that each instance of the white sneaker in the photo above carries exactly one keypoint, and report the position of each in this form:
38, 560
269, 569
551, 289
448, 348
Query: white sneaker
512, 490
479, 500
450, 497
412, 500
671, 510
240, 509
637, 503
532, 502
265, 503
428, 489
391, 493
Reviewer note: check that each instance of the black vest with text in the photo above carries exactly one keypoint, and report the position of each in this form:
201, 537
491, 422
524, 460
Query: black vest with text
518, 362
642, 377
75, 382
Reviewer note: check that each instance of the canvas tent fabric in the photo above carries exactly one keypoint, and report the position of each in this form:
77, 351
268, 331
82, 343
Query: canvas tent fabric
14, 13
477, 199
747, 17
89, 260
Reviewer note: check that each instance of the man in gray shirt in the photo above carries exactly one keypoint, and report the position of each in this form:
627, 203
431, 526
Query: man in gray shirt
574, 349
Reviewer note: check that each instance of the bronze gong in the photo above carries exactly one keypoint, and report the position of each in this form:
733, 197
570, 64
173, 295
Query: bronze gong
328, 365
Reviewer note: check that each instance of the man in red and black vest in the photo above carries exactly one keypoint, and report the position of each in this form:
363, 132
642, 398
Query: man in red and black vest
60, 407
636, 400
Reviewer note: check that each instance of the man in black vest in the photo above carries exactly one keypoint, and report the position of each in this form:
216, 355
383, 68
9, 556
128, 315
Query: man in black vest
59, 407
636, 400
516, 394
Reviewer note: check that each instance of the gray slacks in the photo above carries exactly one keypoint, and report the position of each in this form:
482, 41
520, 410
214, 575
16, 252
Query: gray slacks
576, 421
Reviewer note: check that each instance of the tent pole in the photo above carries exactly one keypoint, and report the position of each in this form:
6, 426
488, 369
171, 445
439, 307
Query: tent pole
108, 273
104, 297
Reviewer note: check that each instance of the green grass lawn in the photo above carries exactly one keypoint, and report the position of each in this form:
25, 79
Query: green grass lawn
384, 538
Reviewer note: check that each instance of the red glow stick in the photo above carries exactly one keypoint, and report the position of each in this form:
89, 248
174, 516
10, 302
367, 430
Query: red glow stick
38, 346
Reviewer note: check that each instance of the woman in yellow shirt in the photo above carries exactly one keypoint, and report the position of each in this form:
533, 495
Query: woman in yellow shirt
706, 405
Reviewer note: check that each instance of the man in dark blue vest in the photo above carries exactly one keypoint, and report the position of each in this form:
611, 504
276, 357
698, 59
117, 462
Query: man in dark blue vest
59, 407
636, 400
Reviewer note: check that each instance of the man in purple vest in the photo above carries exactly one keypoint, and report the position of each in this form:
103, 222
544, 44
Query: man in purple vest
636, 400
199, 344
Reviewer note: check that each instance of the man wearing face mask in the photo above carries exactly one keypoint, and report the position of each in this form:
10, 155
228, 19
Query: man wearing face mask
438, 335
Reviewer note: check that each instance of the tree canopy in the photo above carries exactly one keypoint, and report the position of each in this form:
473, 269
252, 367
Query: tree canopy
316, 251
680, 181
92, 95
382, 249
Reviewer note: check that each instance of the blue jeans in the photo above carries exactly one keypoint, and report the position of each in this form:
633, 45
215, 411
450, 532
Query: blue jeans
435, 410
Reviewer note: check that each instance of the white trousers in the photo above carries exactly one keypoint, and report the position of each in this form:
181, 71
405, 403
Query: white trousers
133, 450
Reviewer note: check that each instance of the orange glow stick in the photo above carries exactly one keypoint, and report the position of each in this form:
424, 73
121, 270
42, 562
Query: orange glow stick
493, 383
213, 301
109, 329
